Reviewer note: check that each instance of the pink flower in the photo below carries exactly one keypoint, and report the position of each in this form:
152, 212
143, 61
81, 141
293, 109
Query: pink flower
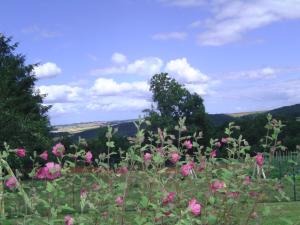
213, 153
216, 185
119, 200
21, 152
259, 159
218, 144
83, 193
122, 170
224, 140
95, 187
58, 150
41, 173
234, 194
175, 157
88, 157
188, 144
69, 220
186, 169
169, 198
195, 207
11, 182
247, 180
202, 166
44, 155
52, 170
147, 157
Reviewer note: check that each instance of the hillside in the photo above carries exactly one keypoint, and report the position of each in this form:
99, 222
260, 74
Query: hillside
127, 128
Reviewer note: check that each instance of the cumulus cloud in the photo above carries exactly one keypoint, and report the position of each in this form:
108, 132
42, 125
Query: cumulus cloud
106, 87
170, 36
182, 70
61, 93
119, 58
232, 19
47, 70
144, 67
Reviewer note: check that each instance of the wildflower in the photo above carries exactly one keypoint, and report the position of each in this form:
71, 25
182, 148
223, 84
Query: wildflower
53, 170
224, 140
233, 194
122, 170
88, 157
69, 220
58, 150
195, 207
216, 185
175, 157
21, 152
186, 169
44, 155
247, 180
11, 182
83, 193
95, 187
169, 198
41, 173
147, 157
259, 159
213, 153
188, 144
218, 144
119, 200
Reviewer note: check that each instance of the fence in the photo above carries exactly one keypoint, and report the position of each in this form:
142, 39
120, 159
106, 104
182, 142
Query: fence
286, 167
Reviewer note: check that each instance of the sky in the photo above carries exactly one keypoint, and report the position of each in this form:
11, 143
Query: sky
96, 57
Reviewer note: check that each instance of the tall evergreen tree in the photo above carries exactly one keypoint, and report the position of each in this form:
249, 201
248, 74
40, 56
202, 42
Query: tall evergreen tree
23, 118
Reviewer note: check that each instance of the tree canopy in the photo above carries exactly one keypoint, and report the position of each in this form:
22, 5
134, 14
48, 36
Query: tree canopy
172, 101
23, 117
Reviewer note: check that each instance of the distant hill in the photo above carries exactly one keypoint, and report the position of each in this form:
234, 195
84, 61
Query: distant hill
127, 127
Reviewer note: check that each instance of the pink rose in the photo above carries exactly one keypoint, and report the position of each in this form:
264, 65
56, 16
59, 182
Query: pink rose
58, 150
216, 185
259, 159
21, 152
88, 157
44, 155
188, 144
69, 220
53, 170
11, 182
169, 198
186, 169
147, 157
195, 207
119, 200
175, 157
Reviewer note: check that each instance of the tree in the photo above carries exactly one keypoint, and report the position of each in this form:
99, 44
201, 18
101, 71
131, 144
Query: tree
23, 117
173, 101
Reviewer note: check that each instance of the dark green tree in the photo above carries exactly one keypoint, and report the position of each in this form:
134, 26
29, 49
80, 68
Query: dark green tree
23, 118
172, 101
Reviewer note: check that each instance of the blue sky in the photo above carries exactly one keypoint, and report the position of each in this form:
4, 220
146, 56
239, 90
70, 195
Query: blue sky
96, 57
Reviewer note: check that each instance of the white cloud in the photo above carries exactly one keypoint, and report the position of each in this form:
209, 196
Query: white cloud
119, 58
47, 70
144, 67
263, 73
183, 71
232, 19
61, 93
109, 87
170, 36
